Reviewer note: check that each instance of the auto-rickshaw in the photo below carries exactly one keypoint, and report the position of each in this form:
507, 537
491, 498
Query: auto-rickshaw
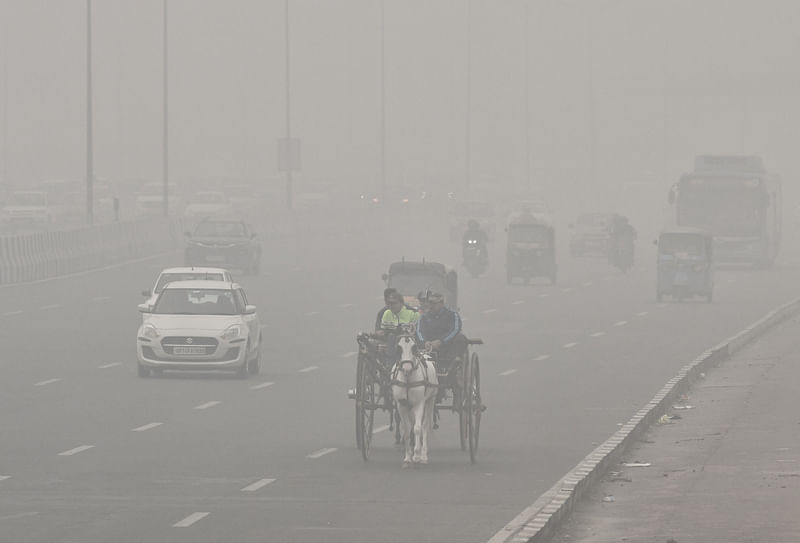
685, 266
411, 277
531, 250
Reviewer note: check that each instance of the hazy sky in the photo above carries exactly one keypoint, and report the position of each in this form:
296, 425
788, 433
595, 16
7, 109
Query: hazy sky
621, 93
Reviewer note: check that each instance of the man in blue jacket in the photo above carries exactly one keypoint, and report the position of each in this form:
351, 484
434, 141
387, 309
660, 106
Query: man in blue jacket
439, 329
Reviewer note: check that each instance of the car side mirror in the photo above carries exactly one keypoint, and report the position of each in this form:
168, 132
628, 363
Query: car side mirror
249, 309
655, 242
145, 308
385, 277
145, 293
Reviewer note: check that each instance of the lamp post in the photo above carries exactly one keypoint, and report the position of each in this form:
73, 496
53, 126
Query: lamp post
289, 162
383, 102
527, 100
165, 127
89, 158
468, 135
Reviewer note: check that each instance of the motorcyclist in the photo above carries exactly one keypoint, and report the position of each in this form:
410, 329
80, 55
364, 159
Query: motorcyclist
475, 237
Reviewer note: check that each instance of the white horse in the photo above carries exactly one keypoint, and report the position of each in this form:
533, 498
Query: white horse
414, 385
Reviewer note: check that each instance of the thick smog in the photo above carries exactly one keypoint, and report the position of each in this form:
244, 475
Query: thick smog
384, 271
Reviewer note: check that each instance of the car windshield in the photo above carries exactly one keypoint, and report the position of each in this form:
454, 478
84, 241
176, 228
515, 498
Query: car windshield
171, 277
30, 198
184, 301
690, 244
208, 198
219, 229
527, 233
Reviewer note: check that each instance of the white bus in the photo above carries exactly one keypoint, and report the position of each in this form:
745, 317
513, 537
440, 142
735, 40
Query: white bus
735, 200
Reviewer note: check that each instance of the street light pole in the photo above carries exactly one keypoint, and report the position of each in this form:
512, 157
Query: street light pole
527, 101
165, 134
89, 158
468, 142
383, 102
289, 161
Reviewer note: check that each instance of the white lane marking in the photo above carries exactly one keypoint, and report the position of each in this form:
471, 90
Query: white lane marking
620, 323
570, 345
542, 357
112, 365
76, 450
262, 385
568, 289
348, 354
588, 284
490, 310
517, 302
642, 314
101, 298
545, 295
147, 427
312, 313
48, 382
4, 477
345, 306
207, 405
10, 313
308, 369
52, 306
598, 334
191, 519
321, 452
380, 429
661, 305
507, 372
257, 485
609, 278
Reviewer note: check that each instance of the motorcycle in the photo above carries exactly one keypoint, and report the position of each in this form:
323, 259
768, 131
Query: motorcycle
476, 260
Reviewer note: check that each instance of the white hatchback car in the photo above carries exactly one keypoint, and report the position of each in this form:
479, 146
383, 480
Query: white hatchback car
199, 325
168, 275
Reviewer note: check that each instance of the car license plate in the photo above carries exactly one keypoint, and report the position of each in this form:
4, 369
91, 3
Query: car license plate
188, 350
215, 258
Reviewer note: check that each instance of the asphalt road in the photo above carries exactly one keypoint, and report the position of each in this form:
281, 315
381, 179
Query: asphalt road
92, 453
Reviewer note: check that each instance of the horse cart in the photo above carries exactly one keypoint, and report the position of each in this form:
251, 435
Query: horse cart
380, 375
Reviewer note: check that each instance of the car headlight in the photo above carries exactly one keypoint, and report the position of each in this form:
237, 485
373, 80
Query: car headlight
232, 332
149, 331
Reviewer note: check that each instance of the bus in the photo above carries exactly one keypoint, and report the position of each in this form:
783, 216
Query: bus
737, 201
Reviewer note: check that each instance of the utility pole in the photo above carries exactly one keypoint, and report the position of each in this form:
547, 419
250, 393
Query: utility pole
89, 158
527, 101
289, 161
165, 99
383, 102
468, 142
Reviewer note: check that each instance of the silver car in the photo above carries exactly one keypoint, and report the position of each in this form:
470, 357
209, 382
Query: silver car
199, 325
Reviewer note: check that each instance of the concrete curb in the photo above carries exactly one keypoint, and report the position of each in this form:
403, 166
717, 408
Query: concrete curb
540, 520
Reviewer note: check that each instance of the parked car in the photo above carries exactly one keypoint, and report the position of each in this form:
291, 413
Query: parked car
224, 242
199, 325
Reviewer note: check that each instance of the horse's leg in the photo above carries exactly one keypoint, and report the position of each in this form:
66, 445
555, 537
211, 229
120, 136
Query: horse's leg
427, 426
418, 412
405, 430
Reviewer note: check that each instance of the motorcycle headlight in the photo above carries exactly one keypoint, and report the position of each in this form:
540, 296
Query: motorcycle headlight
149, 331
232, 332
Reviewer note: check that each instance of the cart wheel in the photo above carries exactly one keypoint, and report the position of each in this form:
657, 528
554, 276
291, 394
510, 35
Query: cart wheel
359, 371
367, 394
475, 406
459, 401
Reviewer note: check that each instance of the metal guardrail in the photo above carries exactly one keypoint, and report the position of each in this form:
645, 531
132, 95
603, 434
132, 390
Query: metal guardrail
42, 255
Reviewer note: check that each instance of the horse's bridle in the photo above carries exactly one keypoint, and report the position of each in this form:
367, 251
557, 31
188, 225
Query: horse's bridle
415, 363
